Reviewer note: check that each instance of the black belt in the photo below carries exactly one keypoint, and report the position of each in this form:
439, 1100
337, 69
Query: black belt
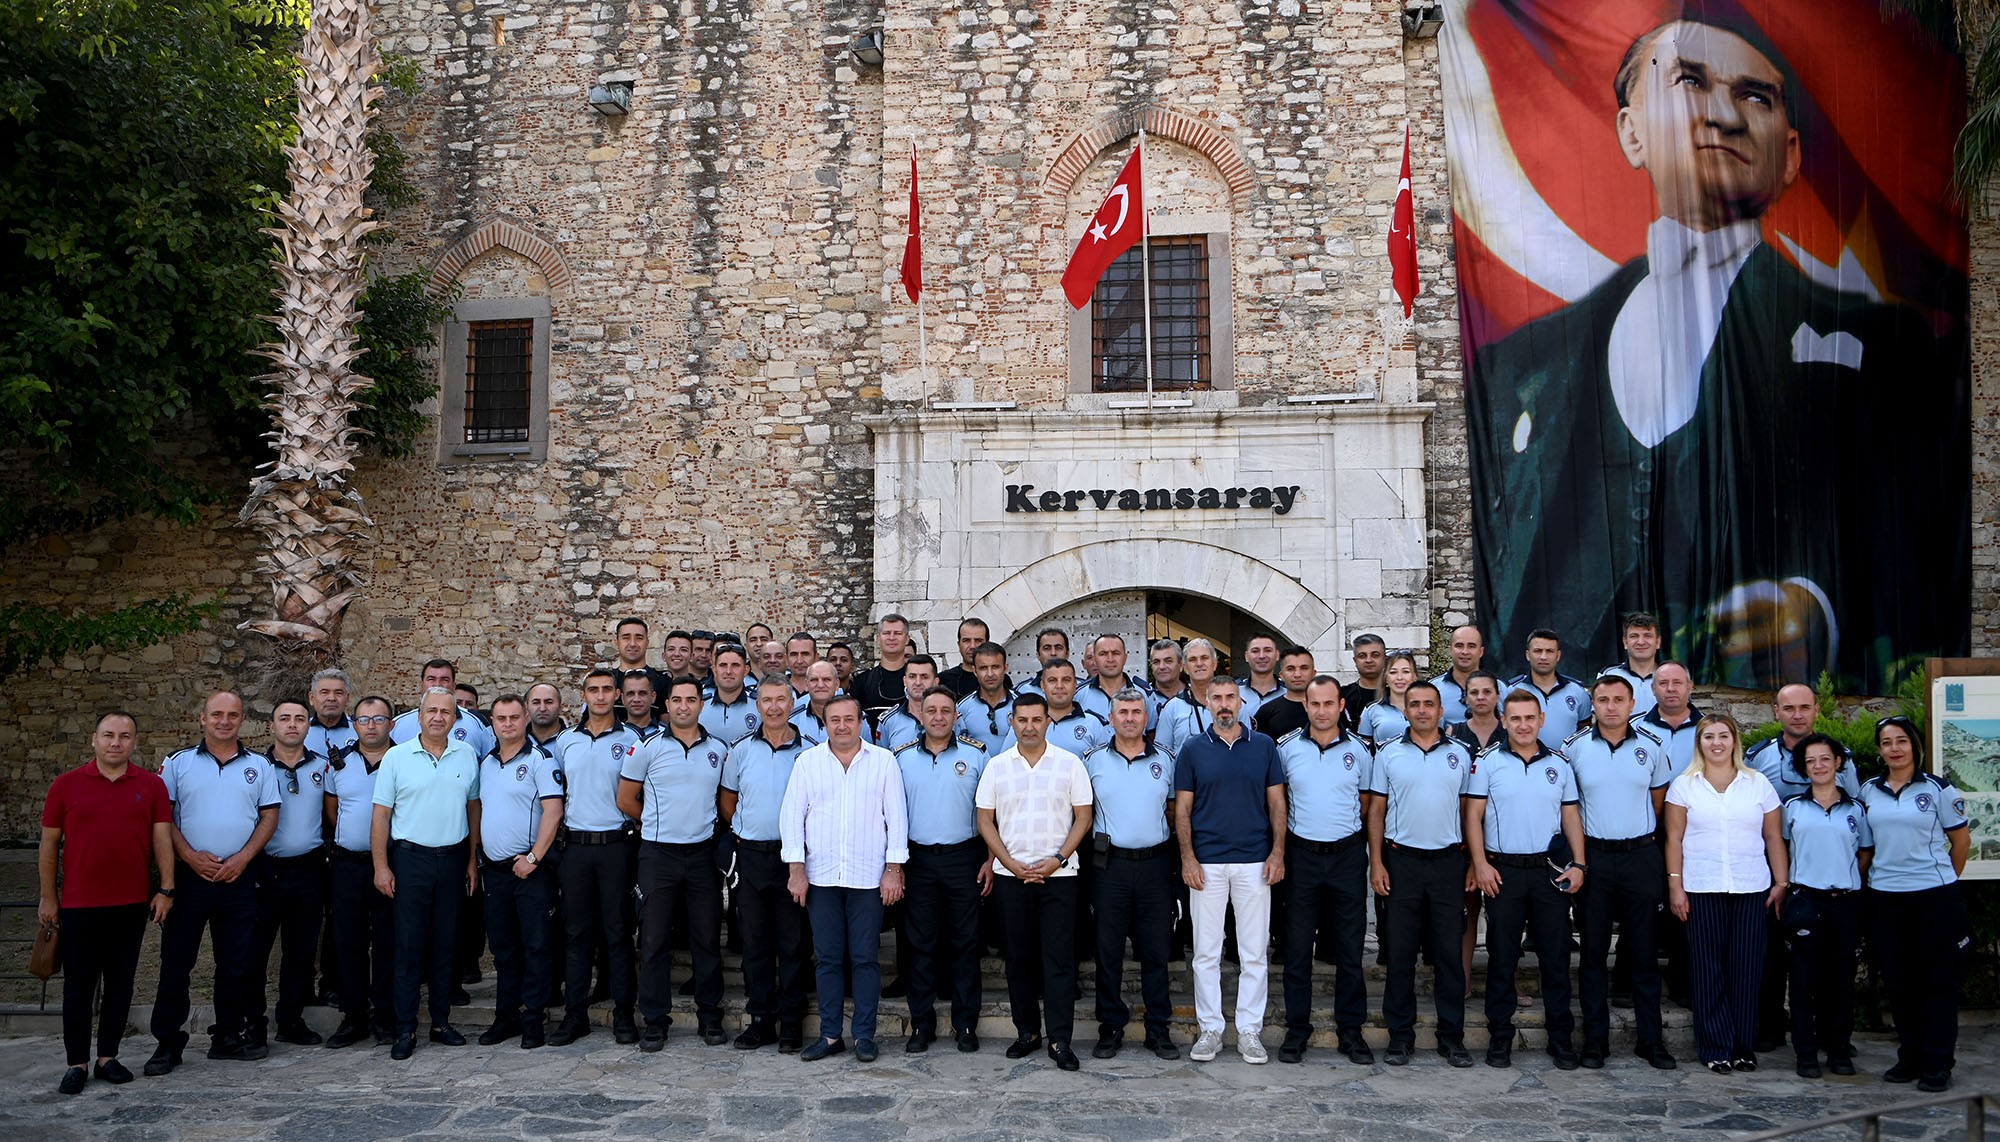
1629, 844
1427, 854
358, 856
601, 837
1159, 850
1829, 891
316, 854
503, 862
1518, 860
704, 845
1327, 848
430, 850
951, 847
760, 846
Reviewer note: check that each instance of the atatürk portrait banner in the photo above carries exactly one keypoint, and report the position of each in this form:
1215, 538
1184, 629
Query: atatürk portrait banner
1713, 295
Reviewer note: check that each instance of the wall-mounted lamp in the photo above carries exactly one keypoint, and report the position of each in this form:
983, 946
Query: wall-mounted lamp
1422, 21
612, 98
867, 48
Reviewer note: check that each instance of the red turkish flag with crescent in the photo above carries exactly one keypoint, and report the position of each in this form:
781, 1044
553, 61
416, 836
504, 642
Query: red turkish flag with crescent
913, 246
1116, 227
1403, 237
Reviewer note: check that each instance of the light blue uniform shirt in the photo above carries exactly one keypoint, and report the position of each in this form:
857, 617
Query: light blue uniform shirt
1679, 742
591, 765
757, 772
1382, 723
1771, 758
1325, 784
1452, 695
426, 795
511, 797
1182, 718
1079, 732
1642, 688
470, 729
897, 729
301, 813
938, 789
1563, 708
1524, 798
678, 784
731, 720
1616, 784
1912, 851
1254, 699
216, 805
1827, 843
1092, 696
1132, 794
352, 787
1423, 787
323, 740
993, 725
810, 724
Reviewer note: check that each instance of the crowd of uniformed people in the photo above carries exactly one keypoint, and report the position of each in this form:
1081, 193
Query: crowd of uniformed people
1084, 813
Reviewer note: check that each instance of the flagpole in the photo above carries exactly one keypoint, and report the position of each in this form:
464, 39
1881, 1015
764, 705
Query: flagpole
923, 344
1146, 265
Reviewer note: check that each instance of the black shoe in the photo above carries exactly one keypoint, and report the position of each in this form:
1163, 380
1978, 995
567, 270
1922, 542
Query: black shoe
1592, 1058
168, 1056
569, 1031
255, 1034
236, 1049
1809, 1069
1718, 1066
1746, 1064
1107, 1047
459, 997
713, 1035
865, 1051
1398, 1054
967, 1040
790, 1038
919, 1041
624, 1030
73, 1080
501, 1031
1293, 1049
1900, 1073
1065, 1058
1500, 1055
1163, 1047
446, 1035
532, 1035
1658, 1055
1358, 1052
820, 1049
755, 1035
112, 1072
406, 1045
895, 989
1840, 1064
345, 1035
295, 1031
1455, 1054
1935, 1082
654, 1038
1563, 1054
1024, 1046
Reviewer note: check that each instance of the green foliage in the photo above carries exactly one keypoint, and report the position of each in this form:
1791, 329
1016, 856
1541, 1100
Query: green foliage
1856, 731
30, 633
399, 323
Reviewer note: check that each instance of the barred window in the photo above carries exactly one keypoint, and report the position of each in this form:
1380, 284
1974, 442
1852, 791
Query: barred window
1181, 335
494, 394
497, 372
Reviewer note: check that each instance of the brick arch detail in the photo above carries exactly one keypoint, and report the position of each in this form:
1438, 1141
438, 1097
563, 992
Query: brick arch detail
1215, 143
497, 233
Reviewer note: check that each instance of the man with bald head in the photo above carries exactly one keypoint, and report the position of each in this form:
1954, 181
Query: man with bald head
1625, 445
1468, 649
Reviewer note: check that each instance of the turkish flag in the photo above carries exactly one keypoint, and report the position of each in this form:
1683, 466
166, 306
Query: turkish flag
1403, 237
1116, 227
913, 246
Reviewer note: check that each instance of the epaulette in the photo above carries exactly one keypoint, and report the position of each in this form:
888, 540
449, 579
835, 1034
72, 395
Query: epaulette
1290, 736
975, 743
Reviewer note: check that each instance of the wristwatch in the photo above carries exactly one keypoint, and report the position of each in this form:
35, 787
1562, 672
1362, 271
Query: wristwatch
166, 892
531, 858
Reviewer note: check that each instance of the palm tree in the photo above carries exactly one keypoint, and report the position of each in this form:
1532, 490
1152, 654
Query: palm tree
303, 504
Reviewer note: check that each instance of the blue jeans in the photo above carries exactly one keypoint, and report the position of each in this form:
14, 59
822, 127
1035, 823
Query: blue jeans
847, 932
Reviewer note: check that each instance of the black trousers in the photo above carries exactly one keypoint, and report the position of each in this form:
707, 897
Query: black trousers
290, 900
1135, 902
777, 941
100, 946
1529, 902
1822, 967
1625, 887
430, 883
364, 941
1426, 904
597, 881
1326, 906
1040, 932
670, 877
1920, 940
520, 922
1771, 992
470, 942
228, 912
941, 902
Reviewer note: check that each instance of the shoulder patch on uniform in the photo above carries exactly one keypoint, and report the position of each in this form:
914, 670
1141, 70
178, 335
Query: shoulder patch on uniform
907, 745
975, 743
1571, 739
1645, 733
1291, 736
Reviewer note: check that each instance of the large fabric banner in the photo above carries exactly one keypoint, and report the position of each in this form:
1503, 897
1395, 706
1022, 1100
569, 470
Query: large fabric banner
1713, 297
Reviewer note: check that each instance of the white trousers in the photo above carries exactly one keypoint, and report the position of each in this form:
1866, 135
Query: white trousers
1241, 885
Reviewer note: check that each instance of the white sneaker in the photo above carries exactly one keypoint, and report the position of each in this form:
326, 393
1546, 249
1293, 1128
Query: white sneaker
1250, 1045
1207, 1047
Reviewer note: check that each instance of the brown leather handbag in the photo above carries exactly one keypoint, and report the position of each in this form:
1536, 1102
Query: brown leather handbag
46, 960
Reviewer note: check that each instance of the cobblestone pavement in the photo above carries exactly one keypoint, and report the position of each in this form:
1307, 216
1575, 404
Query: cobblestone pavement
598, 1089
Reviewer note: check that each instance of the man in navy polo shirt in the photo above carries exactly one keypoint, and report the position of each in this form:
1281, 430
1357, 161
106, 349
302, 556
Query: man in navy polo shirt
1229, 804
225, 811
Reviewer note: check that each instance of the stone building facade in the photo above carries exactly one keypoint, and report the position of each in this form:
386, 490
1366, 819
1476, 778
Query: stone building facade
735, 424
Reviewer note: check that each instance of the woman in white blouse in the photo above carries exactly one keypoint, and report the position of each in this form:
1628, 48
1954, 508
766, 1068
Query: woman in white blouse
1726, 863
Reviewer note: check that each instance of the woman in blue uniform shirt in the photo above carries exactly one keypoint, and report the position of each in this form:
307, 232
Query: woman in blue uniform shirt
1917, 926
1383, 722
1831, 843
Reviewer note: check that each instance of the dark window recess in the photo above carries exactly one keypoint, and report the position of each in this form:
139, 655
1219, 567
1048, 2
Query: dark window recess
499, 362
1180, 320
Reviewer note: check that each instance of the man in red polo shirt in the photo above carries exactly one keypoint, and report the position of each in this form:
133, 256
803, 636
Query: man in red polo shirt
105, 822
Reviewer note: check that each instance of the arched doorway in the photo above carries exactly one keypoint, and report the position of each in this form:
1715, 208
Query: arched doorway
1140, 616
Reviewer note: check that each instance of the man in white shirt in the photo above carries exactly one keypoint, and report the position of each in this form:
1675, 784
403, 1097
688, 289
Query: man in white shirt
845, 837
1034, 804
